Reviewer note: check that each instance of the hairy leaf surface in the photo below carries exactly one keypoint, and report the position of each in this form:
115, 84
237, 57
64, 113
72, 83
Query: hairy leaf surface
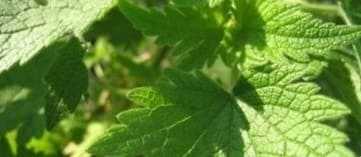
5, 147
27, 26
284, 113
278, 30
176, 122
22, 91
283, 116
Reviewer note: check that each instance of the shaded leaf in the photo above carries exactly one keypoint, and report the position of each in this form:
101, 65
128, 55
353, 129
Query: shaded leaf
67, 81
27, 26
194, 35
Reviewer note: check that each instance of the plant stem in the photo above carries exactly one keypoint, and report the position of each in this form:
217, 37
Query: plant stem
349, 22
343, 14
322, 7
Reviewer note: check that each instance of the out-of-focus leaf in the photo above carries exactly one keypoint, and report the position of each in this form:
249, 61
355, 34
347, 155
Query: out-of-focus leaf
22, 90
189, 115
353, 130
5, 149
33, 127
353, 9
67, 81
25, 89
336, 81
116, 28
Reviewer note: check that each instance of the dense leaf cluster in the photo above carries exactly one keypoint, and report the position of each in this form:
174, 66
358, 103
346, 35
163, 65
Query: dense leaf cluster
294, 89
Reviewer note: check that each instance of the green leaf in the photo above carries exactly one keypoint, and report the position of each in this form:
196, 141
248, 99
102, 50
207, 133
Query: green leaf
67, 81
146, 97
193, 117
22, 91
31, 128
56, 77
116, 28
5, 147
284, 114
194, 35
188, 115
28, 26
277, 30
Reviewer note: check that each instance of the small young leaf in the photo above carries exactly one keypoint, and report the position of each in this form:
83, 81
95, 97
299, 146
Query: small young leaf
147, 97
22, 91
58, 70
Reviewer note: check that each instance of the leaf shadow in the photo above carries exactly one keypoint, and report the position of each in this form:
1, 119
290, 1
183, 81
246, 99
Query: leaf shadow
246, 92
250, 34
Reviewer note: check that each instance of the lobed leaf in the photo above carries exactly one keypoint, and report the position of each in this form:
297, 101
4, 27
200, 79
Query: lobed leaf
284, 114
67, 82
194, 117
184, 125
352, 7
281, 31
22, 92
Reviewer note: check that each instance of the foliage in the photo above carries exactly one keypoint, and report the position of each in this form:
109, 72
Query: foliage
182, 77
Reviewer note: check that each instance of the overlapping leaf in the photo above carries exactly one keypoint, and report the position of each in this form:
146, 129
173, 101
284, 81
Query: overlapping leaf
25, 89
284, 114
27, 26
274, 30
188, 115
22, 92
67, 81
